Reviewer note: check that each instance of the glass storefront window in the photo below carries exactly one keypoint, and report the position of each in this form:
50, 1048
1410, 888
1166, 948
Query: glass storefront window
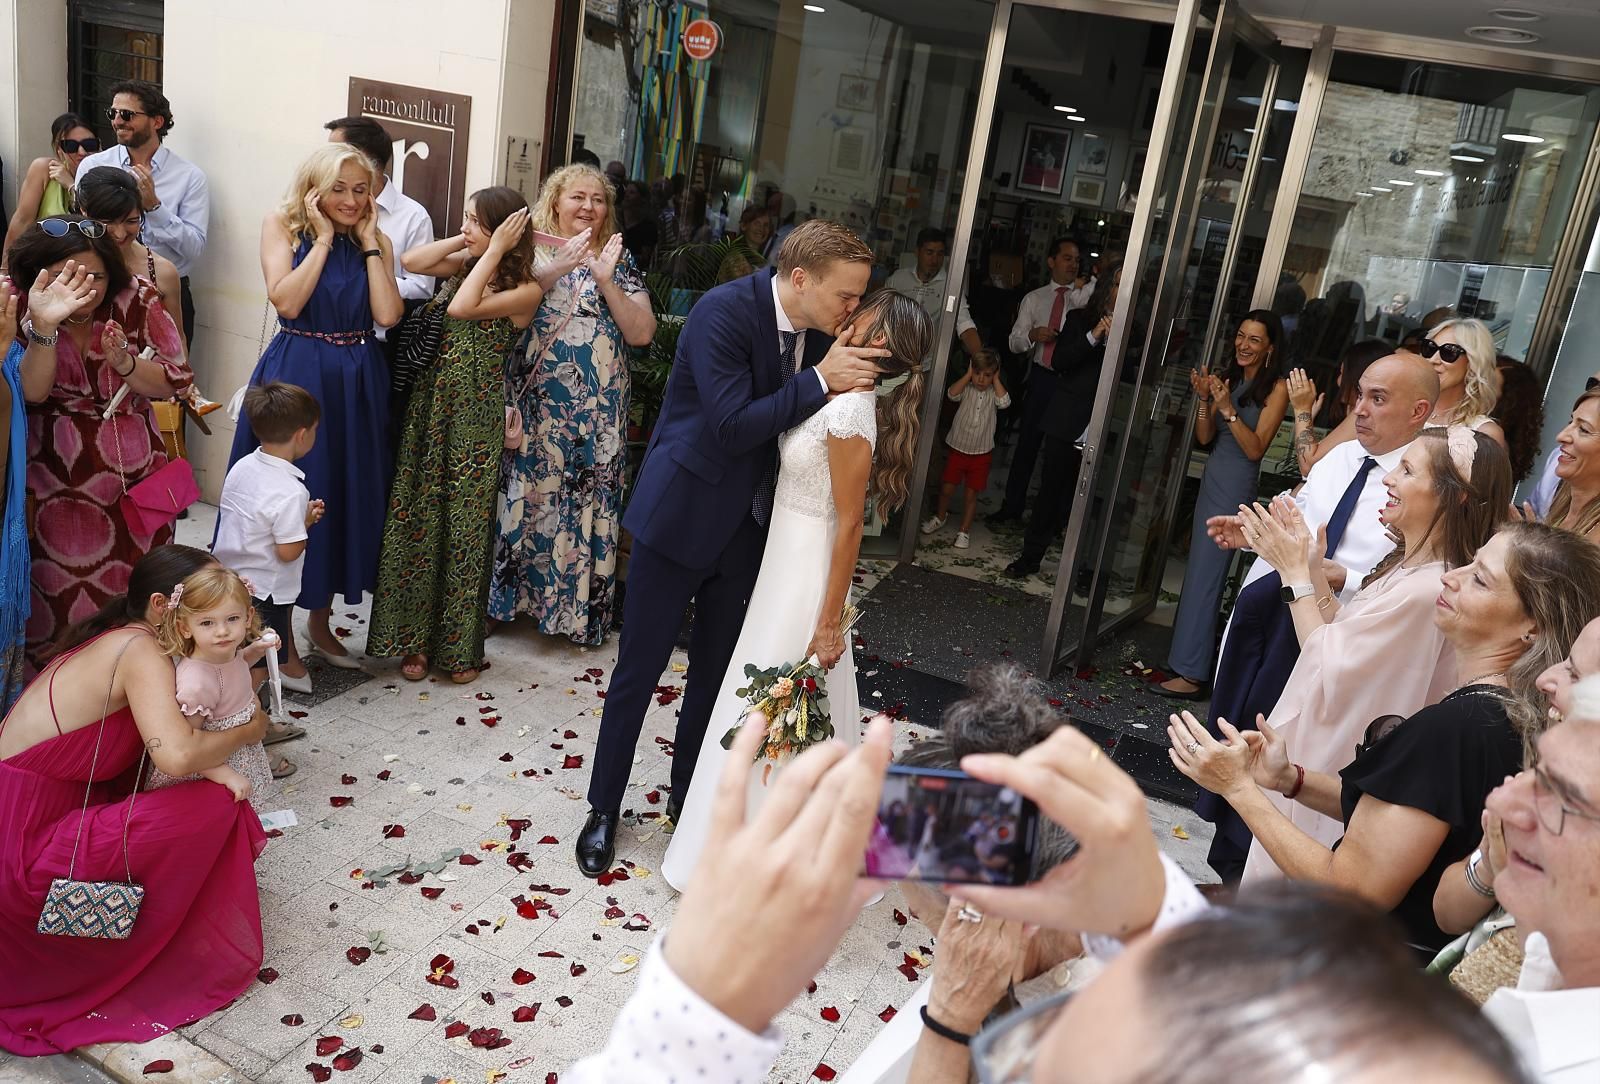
1431, 190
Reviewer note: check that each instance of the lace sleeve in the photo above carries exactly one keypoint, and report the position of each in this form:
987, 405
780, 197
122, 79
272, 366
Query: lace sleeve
853, 415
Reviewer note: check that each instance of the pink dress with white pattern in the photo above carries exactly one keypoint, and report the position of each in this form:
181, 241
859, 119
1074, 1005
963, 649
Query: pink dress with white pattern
82, 548
223, 697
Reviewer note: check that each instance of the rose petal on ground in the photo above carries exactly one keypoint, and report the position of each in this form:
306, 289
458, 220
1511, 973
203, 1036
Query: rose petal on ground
267, 975
358, 954
824, 1071
522, 976
488, 997
431, 893
319, 1073
292, 1020
384, 775
830, 1014
899, 917
572, 760
348, 780
547, 840
469, 860
887, 1014
576, 969
811, 987
423, 1012
409, 878
162, 1066
351, 1022
456, 1027
339, 801
327, 1044
394, 831
564, 1001
348, 1060
525, 1014
551, 954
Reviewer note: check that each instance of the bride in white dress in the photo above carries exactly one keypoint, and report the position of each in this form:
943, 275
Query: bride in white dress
856, 444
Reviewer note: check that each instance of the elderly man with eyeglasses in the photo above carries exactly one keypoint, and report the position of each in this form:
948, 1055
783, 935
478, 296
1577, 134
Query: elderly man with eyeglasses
172, 190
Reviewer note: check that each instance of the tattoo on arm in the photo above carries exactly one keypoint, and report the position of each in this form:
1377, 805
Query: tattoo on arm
152, 745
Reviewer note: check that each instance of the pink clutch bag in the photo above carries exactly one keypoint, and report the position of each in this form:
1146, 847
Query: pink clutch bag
156, 501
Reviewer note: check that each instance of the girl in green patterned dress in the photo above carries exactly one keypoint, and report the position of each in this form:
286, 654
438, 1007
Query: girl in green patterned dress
433, 577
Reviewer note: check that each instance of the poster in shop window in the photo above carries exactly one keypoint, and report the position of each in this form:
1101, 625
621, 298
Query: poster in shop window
429, 129
1043, 167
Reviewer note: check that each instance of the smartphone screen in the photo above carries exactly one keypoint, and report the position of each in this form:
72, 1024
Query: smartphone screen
937, 824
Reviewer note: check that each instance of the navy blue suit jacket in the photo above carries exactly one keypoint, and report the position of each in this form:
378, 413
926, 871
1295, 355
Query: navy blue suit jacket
725, 407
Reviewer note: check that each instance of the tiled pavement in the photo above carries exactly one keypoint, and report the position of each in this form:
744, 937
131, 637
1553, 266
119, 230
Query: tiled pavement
458, 769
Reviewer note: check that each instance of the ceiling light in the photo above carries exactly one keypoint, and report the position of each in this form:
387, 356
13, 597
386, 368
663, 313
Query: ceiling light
1517, 15
1065, 109
1078, 117
1094, 255
1466, 158
1376, 188
1521, 137
1503, 35
1402, 184
1363, 193
818, 8
1429, 172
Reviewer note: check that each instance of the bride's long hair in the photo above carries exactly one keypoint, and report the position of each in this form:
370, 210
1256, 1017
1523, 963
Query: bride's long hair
901, 325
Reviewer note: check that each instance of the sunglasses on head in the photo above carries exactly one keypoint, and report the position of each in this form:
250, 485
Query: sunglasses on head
58, 227
1451, 352
1592, 383
88, 146
125, 115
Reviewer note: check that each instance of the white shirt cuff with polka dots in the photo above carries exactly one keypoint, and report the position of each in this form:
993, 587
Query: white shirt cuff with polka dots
669, 1034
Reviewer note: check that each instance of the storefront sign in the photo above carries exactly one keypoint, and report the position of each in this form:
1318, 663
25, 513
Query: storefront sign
429, 129
701, 38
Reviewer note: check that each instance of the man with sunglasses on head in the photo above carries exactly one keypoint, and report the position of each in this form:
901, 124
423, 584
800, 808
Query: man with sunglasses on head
172, 190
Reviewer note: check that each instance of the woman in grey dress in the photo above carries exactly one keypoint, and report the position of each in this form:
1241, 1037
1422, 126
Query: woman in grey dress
1237, 415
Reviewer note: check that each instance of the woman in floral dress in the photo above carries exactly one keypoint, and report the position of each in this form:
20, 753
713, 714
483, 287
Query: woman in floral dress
561, 501
87, 324
434, 572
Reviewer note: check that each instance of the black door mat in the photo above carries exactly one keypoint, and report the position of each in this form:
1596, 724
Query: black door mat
327, 682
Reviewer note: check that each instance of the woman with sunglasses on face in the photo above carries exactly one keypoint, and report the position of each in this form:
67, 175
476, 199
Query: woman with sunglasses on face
47, 186
86, 326
1461, 351
110, 196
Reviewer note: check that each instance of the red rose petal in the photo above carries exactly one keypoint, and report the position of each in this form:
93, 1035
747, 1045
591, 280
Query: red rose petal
458, 1027
449, 982
394, 831
887, 1014
527, 910
830, 1014
384, 775
327, 1044
488, 997
576, 969
431, 893
899, 918
549, 1078
293, 1020
506, 758
409, 878
348, 780
909, 971
652, 796
469, 860
524, 1014
522, 976
823, 1071
424, 1012
490, 720
319, 1073
267, 975
297, 714
548, 840
339, 801
358, 954
569, 734
811, 987
348, 1060
162, 1066
551, 954
564, 1001
572, 760
615, 912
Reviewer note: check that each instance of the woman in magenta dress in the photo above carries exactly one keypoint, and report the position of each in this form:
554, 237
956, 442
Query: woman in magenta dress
84, 332
197, 942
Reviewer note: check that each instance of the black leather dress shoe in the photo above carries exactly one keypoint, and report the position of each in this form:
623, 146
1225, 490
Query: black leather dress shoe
674, 809
597, 843
1020, 569
1002, 516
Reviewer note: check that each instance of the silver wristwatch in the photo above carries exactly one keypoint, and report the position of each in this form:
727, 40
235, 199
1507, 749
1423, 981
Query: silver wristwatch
34, 336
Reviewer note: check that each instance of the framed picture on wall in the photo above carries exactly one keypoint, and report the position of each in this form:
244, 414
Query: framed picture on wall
856, 93
1088, 191
1043, 166
1094, 155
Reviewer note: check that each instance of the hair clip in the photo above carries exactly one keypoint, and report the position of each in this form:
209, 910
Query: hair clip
248, 586
174, 597
1463, 445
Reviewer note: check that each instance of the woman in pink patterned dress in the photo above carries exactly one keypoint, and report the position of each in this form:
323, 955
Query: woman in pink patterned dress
88, 323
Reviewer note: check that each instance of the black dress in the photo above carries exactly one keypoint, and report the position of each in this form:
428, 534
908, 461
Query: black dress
1444, 760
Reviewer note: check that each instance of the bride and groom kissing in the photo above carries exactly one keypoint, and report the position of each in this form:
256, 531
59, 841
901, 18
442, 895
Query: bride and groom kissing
759, 379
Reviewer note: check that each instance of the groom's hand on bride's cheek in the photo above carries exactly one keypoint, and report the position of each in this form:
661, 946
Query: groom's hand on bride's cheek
773, 894
849, 367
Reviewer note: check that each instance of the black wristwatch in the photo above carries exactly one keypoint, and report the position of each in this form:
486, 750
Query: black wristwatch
1289, 593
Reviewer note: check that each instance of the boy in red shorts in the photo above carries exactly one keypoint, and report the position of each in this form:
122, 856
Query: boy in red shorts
971, 440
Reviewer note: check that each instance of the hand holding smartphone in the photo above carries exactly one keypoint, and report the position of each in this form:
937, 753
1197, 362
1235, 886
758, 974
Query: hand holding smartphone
943, 825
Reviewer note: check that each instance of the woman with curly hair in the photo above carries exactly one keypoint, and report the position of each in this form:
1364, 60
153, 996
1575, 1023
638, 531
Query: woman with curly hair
1461, 351
560, 512
1520, 413
858, 445
330, 276
433, 577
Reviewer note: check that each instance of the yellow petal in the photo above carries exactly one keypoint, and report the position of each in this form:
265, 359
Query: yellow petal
351, 1022
1177, 830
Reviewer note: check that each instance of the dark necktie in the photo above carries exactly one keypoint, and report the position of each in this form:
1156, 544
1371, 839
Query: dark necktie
761, 504
1347, 505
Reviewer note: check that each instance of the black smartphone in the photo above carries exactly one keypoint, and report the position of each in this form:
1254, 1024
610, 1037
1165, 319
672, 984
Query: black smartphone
941, 824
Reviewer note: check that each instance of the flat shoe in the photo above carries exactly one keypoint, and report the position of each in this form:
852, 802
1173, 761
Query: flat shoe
288, 768
1202, 693
340, 662
414, 668
464, 677
283, 732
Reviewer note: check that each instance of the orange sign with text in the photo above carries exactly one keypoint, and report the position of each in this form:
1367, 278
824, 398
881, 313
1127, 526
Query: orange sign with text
701, 38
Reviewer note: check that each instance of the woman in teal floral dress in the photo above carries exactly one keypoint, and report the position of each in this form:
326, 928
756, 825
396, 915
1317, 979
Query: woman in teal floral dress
434, 571
561, 503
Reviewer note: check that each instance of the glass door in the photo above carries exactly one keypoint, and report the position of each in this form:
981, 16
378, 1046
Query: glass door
1218, 101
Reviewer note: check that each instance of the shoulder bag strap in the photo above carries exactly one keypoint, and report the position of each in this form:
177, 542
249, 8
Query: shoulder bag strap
548, 341
94, 763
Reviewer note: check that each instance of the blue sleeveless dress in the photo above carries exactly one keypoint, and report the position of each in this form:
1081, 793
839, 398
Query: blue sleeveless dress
349, 467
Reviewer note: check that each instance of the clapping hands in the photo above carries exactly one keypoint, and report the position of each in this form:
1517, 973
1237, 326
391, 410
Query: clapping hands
604, 263
53, 300
8, 315
1281, 537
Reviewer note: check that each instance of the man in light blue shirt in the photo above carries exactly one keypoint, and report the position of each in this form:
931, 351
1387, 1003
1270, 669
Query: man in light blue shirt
172, 191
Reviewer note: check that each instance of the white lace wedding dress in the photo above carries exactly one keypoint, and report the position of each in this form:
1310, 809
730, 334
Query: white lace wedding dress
783, 613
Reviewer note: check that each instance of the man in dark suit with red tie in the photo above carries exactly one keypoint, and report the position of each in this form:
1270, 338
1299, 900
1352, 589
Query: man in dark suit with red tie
703, 499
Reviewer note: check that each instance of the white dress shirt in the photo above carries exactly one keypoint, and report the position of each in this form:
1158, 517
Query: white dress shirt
263, 505
1035, 312
1555, 1032
407, 225
177, 228
972, 429
1366, 541
931, 294
786, 324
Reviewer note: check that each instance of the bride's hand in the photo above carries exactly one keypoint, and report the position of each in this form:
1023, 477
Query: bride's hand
827, 645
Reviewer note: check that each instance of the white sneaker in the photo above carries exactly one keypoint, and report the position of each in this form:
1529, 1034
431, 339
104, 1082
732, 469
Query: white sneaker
933, 523
962, 541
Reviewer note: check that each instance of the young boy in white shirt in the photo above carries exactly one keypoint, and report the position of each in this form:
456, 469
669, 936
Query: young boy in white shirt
266, 513
971, 440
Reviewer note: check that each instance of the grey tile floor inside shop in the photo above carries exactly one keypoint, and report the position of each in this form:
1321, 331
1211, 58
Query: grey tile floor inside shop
460, 768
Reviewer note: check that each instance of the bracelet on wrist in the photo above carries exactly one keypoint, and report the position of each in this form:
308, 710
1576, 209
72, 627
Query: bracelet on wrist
944, 1031
1299, 782
39, 337
368, 253
1474, 880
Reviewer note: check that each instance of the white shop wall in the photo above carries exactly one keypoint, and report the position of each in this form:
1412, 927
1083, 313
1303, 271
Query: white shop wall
251, 86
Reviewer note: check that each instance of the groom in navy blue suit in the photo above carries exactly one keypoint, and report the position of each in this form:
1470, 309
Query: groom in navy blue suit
703, 499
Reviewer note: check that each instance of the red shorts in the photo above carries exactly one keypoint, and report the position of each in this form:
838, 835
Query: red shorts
971, 471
